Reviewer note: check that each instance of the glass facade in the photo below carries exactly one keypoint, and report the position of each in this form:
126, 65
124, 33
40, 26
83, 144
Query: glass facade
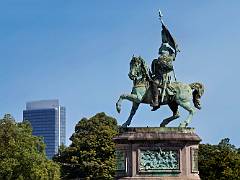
63, 125
49, 122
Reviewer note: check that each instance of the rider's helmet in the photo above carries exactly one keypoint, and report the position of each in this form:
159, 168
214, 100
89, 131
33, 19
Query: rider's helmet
166, 47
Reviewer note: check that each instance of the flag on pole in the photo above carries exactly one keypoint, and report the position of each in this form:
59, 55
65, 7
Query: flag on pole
167, 38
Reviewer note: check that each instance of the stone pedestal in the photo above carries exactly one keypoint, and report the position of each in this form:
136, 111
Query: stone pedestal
157, 153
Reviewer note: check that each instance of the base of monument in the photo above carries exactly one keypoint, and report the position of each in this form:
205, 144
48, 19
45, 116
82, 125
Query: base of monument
157, 153
160, 178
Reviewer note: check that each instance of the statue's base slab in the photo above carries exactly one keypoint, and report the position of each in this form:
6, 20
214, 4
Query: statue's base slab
157, 153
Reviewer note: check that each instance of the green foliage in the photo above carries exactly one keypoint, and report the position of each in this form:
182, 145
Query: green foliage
219, 162
91, 154
22, 155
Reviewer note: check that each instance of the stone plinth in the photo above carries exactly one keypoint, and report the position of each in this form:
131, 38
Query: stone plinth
157, 153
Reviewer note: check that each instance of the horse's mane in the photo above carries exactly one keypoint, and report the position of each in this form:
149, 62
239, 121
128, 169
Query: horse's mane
144, 67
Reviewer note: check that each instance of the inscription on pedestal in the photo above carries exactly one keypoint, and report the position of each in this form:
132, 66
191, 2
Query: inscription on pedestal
158, 160
194, 160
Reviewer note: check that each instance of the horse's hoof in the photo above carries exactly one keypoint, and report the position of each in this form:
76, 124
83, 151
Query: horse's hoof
162, 125
118, 110
118, 107
182, 125
125, 125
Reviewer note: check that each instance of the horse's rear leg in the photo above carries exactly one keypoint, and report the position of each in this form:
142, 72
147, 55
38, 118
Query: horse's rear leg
187, 105
132, 113
174, 107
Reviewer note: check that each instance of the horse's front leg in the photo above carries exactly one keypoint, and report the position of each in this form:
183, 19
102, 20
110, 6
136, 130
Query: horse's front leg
130, 97
132, 113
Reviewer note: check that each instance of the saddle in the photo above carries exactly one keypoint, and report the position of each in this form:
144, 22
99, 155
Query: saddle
169, 92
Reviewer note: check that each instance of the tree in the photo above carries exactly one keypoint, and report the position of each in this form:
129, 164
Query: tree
220, 161
91, 153
22, 155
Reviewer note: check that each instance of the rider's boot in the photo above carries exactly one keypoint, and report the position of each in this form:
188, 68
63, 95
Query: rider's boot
155, 94
155, 103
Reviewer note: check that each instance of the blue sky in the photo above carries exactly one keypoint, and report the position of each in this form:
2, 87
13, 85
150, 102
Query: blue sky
79, 52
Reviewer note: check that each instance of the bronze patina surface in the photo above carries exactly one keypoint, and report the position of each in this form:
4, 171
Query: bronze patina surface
159, 85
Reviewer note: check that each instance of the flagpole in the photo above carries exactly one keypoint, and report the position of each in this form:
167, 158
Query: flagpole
161, 19
160, 16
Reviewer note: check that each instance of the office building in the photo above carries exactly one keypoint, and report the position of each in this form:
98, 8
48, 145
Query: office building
48, 120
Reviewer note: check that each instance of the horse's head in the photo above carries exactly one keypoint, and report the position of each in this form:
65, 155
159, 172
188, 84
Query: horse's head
135, 68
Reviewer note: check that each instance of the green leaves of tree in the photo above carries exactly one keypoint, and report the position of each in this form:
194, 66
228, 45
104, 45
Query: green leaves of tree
91, 154
22, 155
219, 162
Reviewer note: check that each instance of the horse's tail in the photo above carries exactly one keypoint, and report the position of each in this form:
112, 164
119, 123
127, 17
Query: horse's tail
198, 90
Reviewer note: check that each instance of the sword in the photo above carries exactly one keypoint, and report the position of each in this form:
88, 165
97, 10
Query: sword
164, 89
174, 74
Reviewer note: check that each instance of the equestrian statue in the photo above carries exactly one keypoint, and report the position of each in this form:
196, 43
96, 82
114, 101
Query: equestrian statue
157, 88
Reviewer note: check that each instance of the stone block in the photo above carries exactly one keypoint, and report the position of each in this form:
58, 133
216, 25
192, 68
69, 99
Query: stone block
157, 153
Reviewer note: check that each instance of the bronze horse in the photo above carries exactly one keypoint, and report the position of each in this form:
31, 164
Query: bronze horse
177, 94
